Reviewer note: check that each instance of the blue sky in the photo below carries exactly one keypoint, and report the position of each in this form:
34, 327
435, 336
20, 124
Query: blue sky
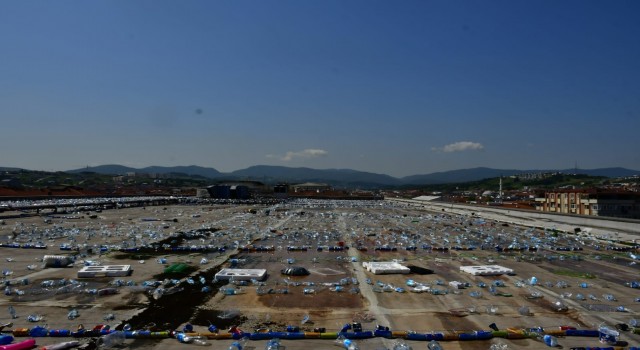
395, 87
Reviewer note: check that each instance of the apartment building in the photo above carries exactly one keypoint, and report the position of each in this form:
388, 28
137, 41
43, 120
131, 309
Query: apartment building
591, 202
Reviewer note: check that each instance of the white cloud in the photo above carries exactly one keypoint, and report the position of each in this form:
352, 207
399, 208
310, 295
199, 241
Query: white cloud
460, 147
307, 153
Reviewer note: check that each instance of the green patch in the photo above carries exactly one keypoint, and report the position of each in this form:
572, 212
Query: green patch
572, 273
177, 270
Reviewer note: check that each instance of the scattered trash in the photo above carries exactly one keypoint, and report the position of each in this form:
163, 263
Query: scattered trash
608, 335
401, 345
35, 318
274, 344
12, 312
434, 345
73, 314
239, 344
499, 346
62, 346
111, 340
550, 340
344, 343
524, 311
229, 314
305, 319
188, 339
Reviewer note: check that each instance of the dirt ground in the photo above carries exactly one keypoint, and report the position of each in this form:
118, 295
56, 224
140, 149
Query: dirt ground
281, 301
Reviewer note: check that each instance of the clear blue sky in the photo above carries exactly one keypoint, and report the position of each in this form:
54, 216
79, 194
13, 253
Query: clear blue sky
395, 87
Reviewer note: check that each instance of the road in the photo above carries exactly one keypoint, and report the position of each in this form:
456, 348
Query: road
375, 310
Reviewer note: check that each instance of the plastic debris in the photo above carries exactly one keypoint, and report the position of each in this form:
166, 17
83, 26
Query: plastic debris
229, 314
73, 314
12, 312
273, 344
434, 345
608, 335
35, 318
499, 346
550, 340
196, 339
401, 345
38, 331
350, 344
524, 311
111, 340
475, 294
62, 346
239, 344
306, 318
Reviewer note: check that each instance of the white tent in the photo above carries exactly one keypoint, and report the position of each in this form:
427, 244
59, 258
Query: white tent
241, 274
486, 270
388, 267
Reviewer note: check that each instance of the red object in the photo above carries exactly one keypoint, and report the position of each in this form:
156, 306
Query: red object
564, 328
235, 330
101, 327
23, 345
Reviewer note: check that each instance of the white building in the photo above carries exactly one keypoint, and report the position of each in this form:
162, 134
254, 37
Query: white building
388, 267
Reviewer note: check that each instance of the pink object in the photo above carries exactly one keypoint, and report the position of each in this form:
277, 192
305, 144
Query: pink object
23, 345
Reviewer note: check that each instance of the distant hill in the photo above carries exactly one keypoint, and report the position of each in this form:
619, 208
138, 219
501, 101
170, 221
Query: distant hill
475, 174
270, 173
189, 170
108, 169
346, 177
607, 172
9, 169
462, 175
113, 169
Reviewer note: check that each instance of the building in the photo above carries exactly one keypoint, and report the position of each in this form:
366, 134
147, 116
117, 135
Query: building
385, 268
591, 202
281, 190
220, 191
486, 270
235, 190
240, 192
10, 183
241, 274
311, 186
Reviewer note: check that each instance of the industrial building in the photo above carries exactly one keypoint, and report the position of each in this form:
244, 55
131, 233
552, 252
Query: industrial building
234, 190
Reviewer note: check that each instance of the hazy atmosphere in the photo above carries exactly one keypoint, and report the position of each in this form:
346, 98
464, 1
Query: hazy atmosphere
400, 88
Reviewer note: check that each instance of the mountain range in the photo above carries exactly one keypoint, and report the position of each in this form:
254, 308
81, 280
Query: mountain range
343, 177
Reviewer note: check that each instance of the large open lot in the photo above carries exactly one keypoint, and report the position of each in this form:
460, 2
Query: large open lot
560, 277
